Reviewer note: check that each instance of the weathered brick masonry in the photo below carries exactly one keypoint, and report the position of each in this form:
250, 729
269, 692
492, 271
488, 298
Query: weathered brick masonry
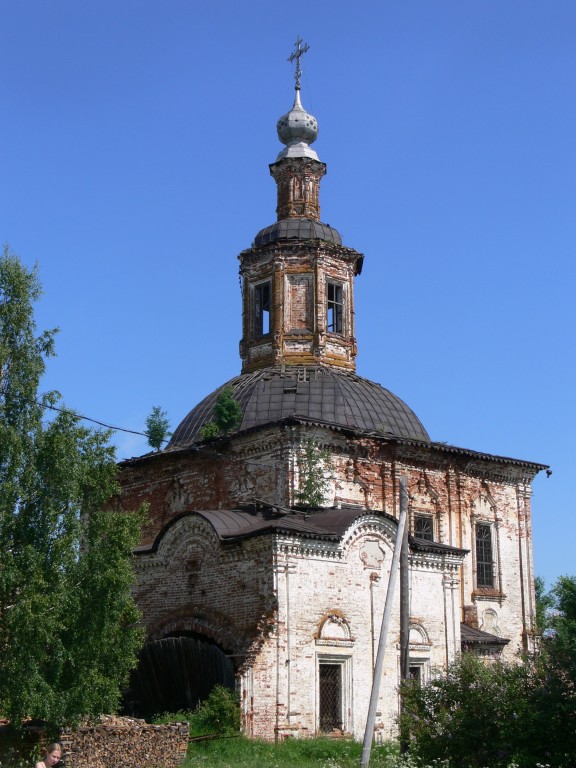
264, 596
294, 596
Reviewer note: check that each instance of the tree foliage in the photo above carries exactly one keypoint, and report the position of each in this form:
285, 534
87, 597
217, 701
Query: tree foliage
544, 604
227, 416
562, 641
496, 714
219, 713
312, 481
157, 428
69, 629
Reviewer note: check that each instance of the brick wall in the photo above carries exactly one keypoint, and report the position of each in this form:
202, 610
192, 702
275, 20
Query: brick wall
264, 599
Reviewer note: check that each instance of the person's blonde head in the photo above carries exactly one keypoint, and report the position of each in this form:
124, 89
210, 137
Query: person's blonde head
52, 754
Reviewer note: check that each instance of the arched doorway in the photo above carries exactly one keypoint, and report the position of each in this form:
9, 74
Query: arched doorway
176, 674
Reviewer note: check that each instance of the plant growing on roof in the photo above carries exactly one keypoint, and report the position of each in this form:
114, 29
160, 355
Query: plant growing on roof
157, 428
312, 464
227, 416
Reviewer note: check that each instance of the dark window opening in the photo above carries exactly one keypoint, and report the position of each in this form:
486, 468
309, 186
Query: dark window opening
424, 527
335, 308
330, 697
262, 309
415, 674
484, 564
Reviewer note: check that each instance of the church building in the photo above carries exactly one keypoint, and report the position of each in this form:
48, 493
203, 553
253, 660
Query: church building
267, 554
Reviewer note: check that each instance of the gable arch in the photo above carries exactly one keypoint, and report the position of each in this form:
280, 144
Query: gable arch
334, 627
484, 504
423, 494
379, 528
190, 530
418, 636
213, 625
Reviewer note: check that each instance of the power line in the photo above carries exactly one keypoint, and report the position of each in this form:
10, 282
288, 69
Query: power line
94, 421
238, 459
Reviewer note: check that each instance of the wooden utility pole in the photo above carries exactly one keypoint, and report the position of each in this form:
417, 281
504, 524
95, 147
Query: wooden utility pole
404, 625
369, 731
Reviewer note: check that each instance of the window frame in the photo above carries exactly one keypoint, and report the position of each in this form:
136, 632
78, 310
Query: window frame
335, 307
346, 693
427, 517
419, 671
262, 308
485, 567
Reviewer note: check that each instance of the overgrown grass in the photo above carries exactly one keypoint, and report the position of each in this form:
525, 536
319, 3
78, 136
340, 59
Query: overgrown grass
220, 715
241, 752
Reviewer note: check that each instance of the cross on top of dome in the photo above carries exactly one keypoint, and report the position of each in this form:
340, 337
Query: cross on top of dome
296, 55
298, 128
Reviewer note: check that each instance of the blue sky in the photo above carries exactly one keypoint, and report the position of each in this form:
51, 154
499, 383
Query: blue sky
134, 142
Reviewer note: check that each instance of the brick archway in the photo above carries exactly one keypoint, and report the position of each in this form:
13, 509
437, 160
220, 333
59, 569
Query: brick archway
176, 673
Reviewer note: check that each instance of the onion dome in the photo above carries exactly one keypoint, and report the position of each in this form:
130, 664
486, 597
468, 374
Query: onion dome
297, 130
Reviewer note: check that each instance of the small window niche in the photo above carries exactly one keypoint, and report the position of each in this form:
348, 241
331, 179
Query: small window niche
262, 308
334, 307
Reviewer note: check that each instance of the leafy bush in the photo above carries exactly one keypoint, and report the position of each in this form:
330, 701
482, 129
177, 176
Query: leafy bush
495, 716
220, 714
227, 416
227, 411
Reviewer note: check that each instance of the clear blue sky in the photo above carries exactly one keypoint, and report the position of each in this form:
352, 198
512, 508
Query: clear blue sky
135, 139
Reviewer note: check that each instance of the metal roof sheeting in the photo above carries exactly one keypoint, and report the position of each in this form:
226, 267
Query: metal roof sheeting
322, 394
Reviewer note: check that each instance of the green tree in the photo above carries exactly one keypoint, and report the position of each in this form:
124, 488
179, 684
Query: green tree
558, 695
227, 411
312, 481
488, 713
157, 426
219, 713
478, 714
69, 629
563, 620
227, 416
544, 604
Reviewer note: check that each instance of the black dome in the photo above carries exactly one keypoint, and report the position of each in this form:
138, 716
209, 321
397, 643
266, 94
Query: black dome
298, 229
314, 393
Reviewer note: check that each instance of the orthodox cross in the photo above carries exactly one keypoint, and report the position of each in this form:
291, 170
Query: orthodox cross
295, 55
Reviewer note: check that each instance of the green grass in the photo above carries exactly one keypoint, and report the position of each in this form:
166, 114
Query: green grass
292, 753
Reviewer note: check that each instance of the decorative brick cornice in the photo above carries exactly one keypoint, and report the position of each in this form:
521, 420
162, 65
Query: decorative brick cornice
434, 561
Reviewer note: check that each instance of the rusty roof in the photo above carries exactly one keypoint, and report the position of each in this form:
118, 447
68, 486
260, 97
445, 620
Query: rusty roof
297, 229
328, 524
320, 393
473, 636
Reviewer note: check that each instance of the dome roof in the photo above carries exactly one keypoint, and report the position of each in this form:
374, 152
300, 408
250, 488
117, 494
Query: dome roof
297, 129
314, 393
298, 229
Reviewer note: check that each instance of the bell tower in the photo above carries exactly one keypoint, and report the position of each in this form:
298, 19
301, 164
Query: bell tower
298, 278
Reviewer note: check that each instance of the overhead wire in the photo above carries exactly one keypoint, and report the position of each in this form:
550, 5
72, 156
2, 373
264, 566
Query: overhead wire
204, 449
94, 421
